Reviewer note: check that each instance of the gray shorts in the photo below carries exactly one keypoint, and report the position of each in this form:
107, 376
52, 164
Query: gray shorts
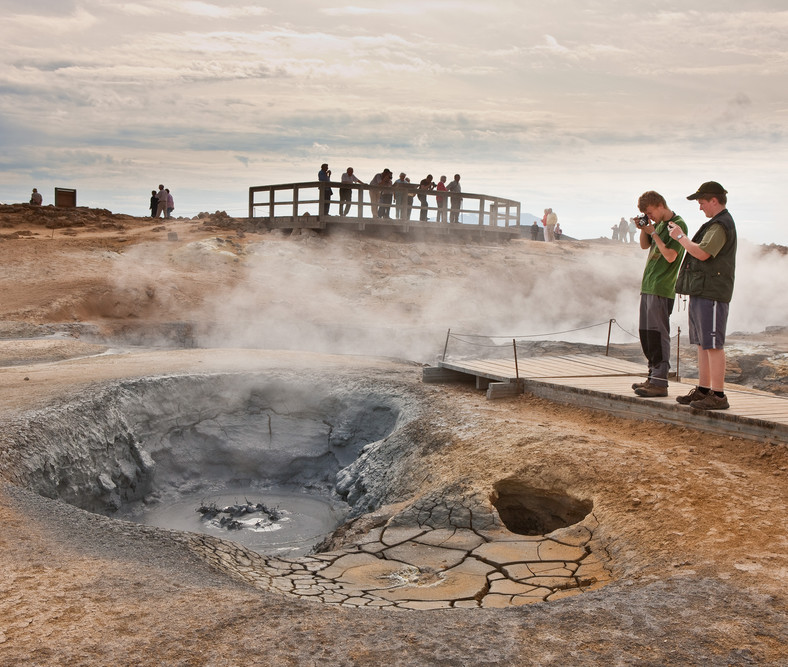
707, 322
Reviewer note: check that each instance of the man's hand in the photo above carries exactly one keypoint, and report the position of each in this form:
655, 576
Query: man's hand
674, 230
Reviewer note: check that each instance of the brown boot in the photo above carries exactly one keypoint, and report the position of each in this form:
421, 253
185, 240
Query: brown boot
651, 390
711, 402
694, 395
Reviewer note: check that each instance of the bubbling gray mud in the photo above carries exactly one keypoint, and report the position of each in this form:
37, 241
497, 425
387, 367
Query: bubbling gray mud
153, 450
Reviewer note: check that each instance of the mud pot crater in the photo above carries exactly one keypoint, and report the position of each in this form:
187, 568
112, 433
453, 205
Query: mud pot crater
278, 478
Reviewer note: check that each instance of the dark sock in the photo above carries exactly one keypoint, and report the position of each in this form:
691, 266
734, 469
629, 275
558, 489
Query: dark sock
704, 390
719, 394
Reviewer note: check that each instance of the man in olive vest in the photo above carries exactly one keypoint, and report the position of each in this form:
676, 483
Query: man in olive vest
707, 276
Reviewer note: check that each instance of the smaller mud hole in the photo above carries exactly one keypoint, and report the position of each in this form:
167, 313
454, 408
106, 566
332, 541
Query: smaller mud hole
526, 510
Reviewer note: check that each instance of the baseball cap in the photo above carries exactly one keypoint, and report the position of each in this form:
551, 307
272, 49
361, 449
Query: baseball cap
708, 188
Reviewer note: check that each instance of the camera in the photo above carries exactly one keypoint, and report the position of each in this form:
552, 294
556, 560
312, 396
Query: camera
640, 220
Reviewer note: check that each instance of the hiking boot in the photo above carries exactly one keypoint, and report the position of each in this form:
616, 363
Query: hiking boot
711, 402
638, 385
694, 395
650, 390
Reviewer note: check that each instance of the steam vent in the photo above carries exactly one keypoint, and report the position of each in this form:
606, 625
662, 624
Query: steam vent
280, 479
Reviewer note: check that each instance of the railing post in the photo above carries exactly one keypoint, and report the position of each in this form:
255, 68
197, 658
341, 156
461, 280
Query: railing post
295, 204
516, 367
678, 358
609, 328
321, 199
271, 203
251, 203
446, 346
481, 210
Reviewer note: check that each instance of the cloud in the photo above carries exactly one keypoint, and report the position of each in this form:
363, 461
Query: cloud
78, 21
210, 10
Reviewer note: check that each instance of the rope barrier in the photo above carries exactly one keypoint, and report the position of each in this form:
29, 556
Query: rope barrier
553, 333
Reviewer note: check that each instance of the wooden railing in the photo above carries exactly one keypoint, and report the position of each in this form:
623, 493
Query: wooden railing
308, 204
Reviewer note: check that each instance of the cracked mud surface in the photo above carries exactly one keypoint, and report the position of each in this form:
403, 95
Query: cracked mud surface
689, 527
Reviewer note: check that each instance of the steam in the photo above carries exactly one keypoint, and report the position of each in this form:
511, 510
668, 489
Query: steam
346, 294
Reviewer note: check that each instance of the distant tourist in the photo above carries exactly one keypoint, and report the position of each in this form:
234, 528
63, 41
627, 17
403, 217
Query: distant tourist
374, 192
615, 232
384, 210
170, 203
557, 231
36, 199
707, 277
324, 176
623, 229
549, 220
441, 200
161, 209
402, 196
345, 193
455, 198
633, 227
535, 231
154, 203
425, 185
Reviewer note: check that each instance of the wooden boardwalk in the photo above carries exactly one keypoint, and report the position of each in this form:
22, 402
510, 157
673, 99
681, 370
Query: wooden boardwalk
606, 383
307, 205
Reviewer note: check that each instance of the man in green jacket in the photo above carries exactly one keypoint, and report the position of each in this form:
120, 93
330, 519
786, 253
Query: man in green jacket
707, 276
657, 290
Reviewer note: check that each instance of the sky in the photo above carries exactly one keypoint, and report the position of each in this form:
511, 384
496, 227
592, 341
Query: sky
576, 105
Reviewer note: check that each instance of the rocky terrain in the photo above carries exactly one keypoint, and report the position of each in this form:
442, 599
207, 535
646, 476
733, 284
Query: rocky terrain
99, 309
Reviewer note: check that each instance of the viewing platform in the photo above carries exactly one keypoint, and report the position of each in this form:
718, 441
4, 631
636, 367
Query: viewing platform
398, 208
605, 383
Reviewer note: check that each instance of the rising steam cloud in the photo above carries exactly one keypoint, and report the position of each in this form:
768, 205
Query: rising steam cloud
349, 295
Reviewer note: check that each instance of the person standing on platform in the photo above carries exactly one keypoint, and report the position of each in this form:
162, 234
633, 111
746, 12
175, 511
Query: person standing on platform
154, 203
346, 193
401, 198
425, 185
35, 198
657, 289
324, 176
455, 199
707, 277
441, 200
376, 184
